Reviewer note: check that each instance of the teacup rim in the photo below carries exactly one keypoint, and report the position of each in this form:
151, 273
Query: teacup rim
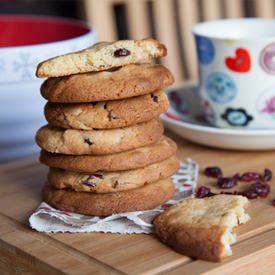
196, 28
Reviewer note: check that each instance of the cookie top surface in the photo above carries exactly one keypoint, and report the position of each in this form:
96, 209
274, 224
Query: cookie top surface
107, 114
220, 210
101, 56
202, 228
143, 198
162, 149
123, 82
115, 181
98, 142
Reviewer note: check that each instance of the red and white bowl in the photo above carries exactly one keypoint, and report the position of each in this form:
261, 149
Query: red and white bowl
24, 42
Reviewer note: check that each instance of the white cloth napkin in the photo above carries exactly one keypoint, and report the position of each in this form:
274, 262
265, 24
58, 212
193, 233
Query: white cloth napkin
47, 219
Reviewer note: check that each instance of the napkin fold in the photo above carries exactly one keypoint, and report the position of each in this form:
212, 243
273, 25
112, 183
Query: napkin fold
48, 219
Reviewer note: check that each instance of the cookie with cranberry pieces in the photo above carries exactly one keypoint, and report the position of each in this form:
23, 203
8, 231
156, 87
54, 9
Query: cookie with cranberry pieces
107, 114
102, 56
114, 181
202, 228
143, 198
123, 82
140, 157
98, 142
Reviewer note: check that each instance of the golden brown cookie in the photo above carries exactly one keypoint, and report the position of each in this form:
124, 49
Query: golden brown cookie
101, 56
160, 150
123, 82
115, 181
202, 228
143, 198
98, 142
107, 114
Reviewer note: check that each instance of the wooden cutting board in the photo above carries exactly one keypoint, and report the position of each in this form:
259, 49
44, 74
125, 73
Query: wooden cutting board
25, 251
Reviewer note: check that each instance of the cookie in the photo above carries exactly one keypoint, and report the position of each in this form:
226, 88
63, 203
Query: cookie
98, 142
143, 198
101, 56
123, 82
107, 114
202, 228
132, 159
115, 181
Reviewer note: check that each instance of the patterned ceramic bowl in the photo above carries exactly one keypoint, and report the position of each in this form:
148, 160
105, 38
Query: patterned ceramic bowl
24, 42
237, 72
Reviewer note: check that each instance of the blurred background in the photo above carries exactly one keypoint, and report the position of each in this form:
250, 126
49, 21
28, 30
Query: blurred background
169, 21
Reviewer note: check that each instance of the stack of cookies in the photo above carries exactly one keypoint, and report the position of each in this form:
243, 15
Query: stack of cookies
104, 142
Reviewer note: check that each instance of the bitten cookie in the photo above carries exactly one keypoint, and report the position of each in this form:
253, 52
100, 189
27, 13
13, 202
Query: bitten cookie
98, 142
143, 198
116, 181
107, 114
132, 159
101, 56
123, 82
202, 228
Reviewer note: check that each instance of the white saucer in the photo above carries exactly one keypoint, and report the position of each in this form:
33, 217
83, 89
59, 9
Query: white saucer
185, 117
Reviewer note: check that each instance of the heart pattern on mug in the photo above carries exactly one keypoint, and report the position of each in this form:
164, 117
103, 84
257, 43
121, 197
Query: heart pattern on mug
241, 63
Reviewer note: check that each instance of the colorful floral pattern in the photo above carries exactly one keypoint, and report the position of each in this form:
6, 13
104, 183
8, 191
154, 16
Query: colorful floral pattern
270, 107
266, 104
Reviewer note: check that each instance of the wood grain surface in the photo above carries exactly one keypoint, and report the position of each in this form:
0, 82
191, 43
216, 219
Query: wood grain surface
25, 251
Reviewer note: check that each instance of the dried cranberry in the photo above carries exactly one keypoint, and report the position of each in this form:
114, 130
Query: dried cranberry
250, 194
87, 140
237, 177
97, 175
273, 202
262, 189
110, 116
121, 52
89, 181
155, 98
115, 184
267, 175
226, 183
202, 192
119, 183
214, 172
249, 176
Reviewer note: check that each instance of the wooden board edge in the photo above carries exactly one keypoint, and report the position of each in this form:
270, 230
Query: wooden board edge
260, 248
15, 261
26, 248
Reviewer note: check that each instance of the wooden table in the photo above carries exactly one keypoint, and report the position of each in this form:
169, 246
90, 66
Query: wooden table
25, 251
